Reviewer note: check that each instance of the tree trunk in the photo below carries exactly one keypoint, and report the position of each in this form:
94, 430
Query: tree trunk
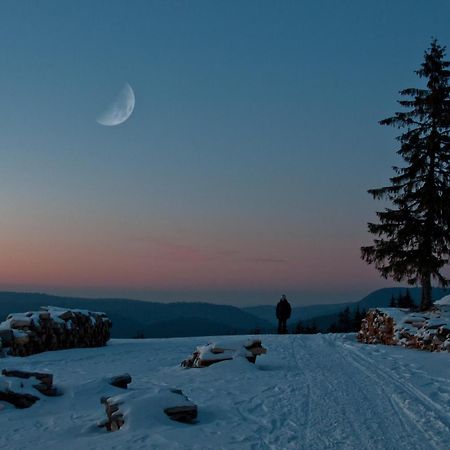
426, 301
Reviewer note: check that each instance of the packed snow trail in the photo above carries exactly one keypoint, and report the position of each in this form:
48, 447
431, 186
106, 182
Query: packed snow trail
309, 392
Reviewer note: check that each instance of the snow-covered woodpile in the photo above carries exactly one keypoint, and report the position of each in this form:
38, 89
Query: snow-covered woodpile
53, 328
206, 355
378, 327
171, 402
429, 330
21, 388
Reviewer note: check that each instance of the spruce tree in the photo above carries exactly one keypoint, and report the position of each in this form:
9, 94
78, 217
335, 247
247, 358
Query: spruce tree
393, 302
356, 324
412, 238
401, 300
344, 322
408, 301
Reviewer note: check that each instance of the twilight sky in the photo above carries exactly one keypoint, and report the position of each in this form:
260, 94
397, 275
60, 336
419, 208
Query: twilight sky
242, 173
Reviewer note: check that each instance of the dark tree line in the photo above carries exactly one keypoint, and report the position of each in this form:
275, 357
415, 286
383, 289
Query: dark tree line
301, 328
402, 301
348, 322
412, 236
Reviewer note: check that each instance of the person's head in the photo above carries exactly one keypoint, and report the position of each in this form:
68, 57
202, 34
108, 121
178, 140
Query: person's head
283, 297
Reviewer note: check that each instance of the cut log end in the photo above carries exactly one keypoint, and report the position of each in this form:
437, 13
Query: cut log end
184, 414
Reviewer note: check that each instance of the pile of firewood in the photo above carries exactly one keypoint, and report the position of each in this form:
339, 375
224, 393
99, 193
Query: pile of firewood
209, 354
15, 390
429, 330
377, 328
53, 329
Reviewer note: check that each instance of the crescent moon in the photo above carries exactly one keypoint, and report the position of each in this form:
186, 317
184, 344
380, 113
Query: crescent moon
120, 110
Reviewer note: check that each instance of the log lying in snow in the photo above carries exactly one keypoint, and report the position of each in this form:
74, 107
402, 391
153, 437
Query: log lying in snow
121, 381
53, 328
17, 392
172, 402
206, 355
19, 400
43, 377
185, 411
429, 330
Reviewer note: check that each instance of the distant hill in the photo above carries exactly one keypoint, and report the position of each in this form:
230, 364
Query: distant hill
151, 319
324, 315
267, 312
377, 299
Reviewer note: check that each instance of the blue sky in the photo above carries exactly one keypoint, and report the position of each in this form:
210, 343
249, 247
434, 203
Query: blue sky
243, 170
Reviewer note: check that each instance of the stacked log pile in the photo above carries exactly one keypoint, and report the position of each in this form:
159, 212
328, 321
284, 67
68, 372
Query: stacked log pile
15, 390
377, 328
429, 330
53, 328
213, 353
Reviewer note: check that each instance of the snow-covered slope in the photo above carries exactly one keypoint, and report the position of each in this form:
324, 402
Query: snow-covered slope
308, 392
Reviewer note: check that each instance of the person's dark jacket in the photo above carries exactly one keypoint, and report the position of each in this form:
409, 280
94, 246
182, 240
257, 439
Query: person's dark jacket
283, 309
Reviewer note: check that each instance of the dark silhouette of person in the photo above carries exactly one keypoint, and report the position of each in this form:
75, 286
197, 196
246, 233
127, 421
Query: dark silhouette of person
283, 314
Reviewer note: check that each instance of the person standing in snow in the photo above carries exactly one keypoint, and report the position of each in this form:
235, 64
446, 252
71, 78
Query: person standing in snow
283, 314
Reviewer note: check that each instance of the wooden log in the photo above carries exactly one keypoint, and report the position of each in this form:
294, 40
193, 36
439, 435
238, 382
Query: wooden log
121, 381
6, 337
185, 414
115, 422
44, 378
49, 391
257, 350
185, 411
20, 401
20, 323
210, 362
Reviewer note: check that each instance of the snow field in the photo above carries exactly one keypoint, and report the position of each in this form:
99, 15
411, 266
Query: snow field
309, 392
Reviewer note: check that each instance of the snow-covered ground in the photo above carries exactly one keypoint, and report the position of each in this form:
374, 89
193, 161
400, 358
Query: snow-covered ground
308, 392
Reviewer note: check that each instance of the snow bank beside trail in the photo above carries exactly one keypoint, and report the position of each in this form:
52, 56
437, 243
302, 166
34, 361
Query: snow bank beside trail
53, 328
429, 330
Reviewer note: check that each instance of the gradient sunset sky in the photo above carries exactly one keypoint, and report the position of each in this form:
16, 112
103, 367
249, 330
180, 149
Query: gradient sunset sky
243, 170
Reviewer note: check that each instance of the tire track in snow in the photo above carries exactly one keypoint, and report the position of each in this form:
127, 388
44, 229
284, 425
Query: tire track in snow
362, 413
328, 423
409, 402
283, 403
